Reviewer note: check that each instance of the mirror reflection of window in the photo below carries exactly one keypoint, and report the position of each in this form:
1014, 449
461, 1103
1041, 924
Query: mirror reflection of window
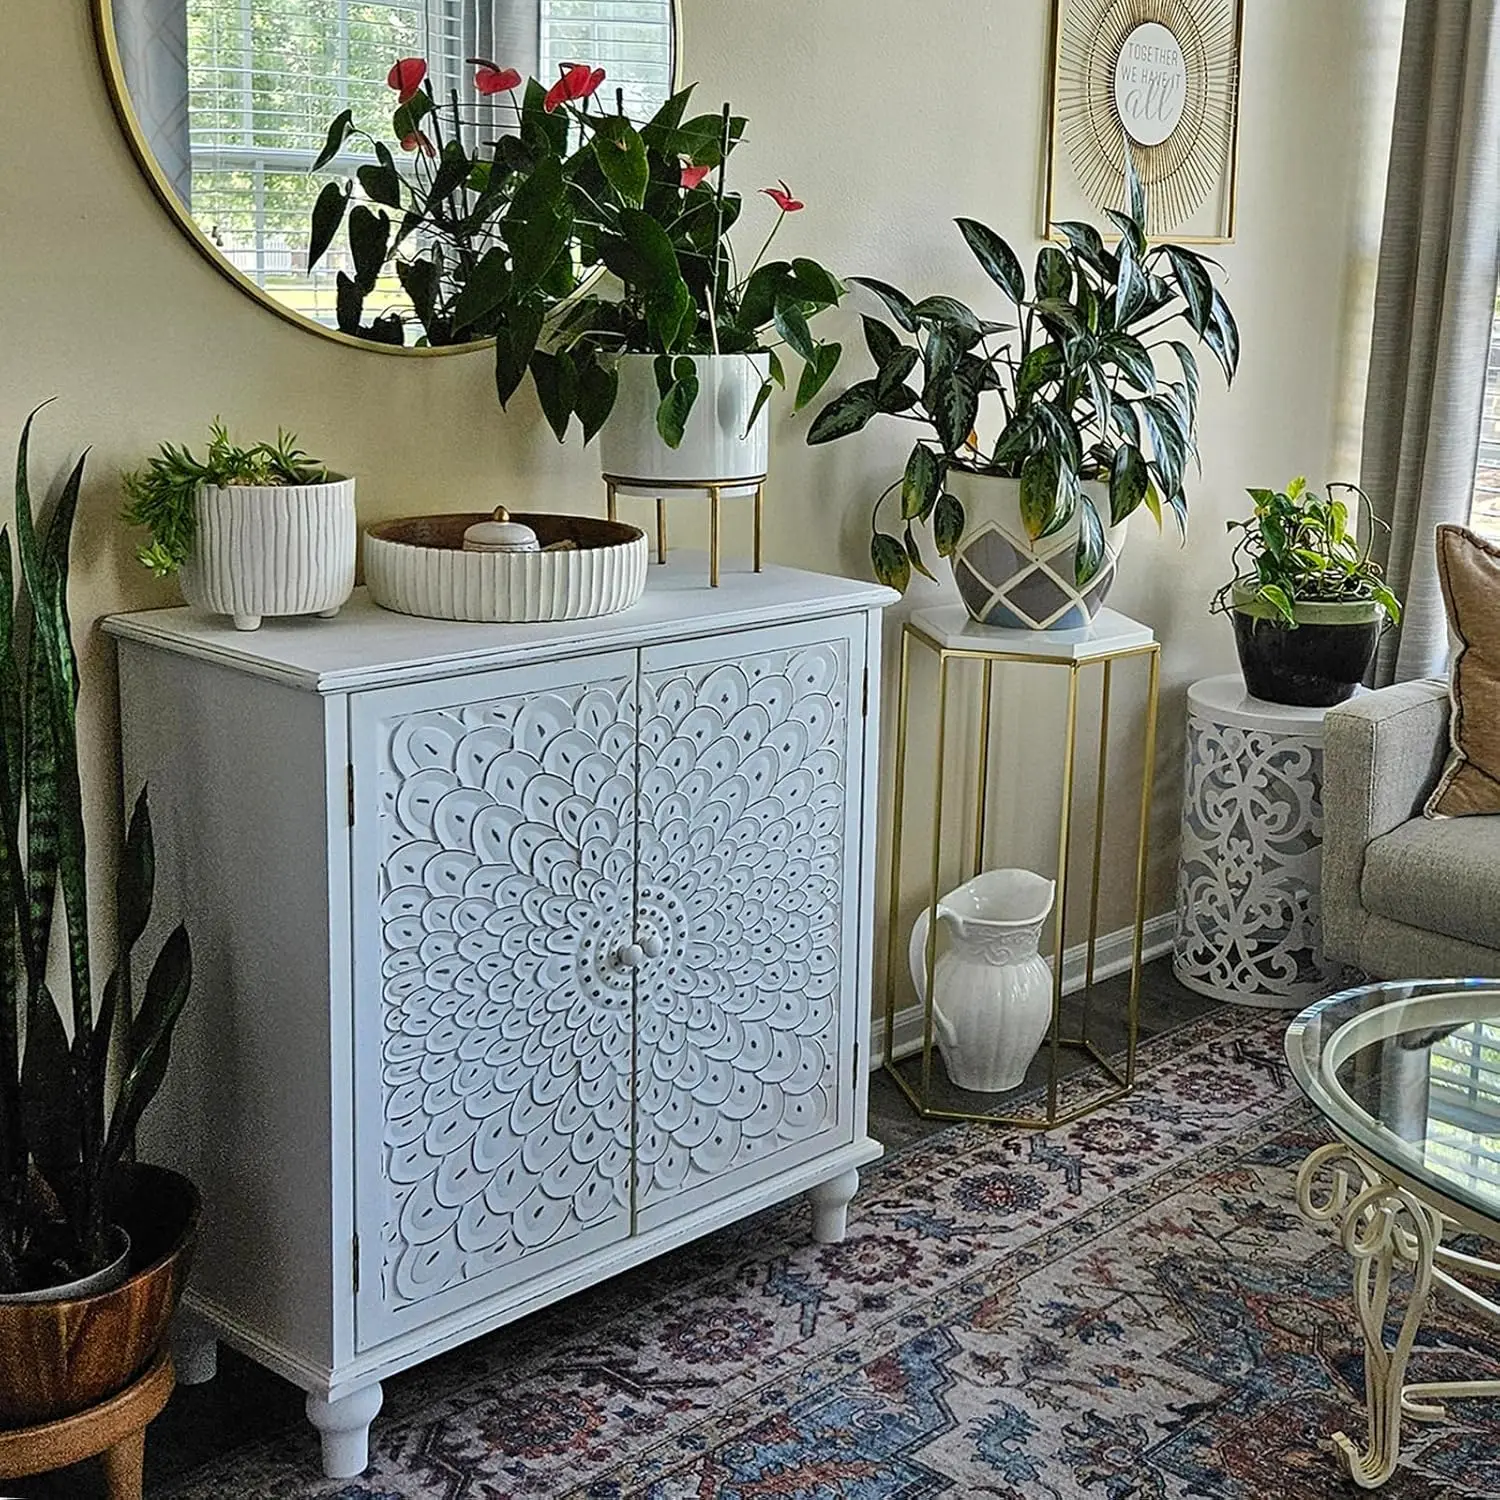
235, 96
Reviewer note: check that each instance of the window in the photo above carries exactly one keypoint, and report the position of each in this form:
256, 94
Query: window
1463, 1128
1484, 515
265, 78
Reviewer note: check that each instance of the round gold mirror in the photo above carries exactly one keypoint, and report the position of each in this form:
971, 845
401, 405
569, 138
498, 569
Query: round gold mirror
227, 105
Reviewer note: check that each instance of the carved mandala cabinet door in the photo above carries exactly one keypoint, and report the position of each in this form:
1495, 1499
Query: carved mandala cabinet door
750, 786
492, 917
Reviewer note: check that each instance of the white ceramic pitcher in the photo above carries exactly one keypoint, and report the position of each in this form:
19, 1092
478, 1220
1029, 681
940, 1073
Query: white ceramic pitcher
992, 998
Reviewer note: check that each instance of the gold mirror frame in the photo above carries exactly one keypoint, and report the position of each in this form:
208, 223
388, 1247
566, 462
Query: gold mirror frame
119, 94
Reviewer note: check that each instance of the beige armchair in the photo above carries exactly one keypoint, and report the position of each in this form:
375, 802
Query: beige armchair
1404, 897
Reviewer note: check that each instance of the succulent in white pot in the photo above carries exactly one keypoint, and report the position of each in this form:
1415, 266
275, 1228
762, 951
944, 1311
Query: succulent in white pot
250, 532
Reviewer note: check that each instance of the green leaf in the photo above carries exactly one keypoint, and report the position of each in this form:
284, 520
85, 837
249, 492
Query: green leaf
327, 215
1189, 365
369, 235
621, 155
452, 172
1054, 274
882, 343
815, 284
420, 281
337, 133
1222, 335
894, 372
791, 324
150, 1042
677, 404
1195, 284
914, 553
1089, 555
899, 304
515, 341
922, 481
1088, 244
1279, 600
778, 373
1131, 237
1131, 357
891, 562
758, 299
761, 397
996, 257
406, 117
815, 374
598, 385
380, 179
556, 379
1135, 191
947, 524
1130, 289
136, 877
1039, 504
1041, 365
487, 287
845, 414
954, 407
948, 311
349, 304
1128, 482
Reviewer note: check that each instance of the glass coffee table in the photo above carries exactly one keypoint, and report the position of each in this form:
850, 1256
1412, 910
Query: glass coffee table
1408, 1076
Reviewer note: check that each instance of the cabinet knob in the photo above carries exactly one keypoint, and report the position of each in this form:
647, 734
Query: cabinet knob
632, 956
653, 945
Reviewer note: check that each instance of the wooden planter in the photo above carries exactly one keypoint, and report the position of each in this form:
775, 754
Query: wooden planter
58, 1358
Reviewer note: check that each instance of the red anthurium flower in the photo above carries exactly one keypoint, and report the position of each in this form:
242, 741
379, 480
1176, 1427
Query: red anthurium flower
692, 176
782, 198
406, 78
578, 81
416, 141
489, 79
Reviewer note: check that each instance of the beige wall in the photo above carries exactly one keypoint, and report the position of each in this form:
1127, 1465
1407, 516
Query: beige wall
888, 116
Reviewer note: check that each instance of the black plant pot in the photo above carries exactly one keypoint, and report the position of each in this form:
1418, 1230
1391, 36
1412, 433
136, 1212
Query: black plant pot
1314, 665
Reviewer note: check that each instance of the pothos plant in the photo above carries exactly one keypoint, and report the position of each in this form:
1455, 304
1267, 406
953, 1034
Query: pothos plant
60, 1141
1299, 547
1070, 391
505, 241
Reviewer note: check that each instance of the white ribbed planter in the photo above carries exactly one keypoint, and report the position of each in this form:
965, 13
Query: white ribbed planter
272, 550
719, 442
417, 566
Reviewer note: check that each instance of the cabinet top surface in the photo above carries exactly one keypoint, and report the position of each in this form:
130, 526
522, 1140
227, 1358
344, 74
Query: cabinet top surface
366, 646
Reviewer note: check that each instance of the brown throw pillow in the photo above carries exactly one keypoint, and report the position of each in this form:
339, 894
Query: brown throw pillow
1469, 569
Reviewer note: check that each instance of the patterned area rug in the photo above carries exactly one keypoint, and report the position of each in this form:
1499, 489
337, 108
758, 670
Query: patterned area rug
1126, 1307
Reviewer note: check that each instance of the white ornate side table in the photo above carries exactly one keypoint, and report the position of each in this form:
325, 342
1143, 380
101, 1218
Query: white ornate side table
1407, 1076
1248, 923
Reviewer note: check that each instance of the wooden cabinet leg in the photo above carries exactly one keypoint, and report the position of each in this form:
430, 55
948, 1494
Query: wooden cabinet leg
344, 1426
124, 1467
830, 1206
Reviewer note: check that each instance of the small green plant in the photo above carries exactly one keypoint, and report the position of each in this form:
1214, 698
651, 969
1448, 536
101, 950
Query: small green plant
1300, 548
160, 496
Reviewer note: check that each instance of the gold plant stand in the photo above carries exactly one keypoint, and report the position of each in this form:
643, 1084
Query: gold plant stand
956, 643
615, 484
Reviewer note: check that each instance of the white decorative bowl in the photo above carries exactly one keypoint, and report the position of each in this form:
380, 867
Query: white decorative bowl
417, 566
271, 550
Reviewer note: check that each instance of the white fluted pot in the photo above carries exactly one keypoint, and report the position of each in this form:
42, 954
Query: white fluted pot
719, 444
268, 550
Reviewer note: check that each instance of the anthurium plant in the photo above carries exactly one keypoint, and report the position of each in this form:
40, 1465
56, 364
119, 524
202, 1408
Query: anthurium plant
1299, 547
506, 240
1070, 389
59, 1141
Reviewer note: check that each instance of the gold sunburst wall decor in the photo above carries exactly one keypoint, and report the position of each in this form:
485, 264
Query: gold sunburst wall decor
1160, 77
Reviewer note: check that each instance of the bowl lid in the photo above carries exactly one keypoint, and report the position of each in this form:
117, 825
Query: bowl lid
500, 533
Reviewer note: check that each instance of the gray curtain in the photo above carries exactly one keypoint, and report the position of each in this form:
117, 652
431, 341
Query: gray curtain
152, 37
1434, 301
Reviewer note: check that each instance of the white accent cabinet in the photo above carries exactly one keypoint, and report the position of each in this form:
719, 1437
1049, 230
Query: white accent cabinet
522, 953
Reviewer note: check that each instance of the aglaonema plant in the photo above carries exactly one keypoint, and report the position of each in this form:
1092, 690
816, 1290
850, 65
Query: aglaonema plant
60, 1141
1089, 379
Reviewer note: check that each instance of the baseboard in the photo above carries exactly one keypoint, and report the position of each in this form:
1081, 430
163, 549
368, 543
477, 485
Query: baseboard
1112, 955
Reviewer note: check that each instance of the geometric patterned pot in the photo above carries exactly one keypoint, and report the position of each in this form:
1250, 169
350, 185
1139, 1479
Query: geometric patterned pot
1008, 580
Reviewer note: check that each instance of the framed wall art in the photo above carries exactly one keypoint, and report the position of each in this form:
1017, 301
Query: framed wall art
1163, 77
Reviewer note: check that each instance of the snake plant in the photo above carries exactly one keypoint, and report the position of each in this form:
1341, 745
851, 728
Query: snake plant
60, 1142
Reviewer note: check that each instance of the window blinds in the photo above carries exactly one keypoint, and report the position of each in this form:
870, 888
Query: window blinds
265, 78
